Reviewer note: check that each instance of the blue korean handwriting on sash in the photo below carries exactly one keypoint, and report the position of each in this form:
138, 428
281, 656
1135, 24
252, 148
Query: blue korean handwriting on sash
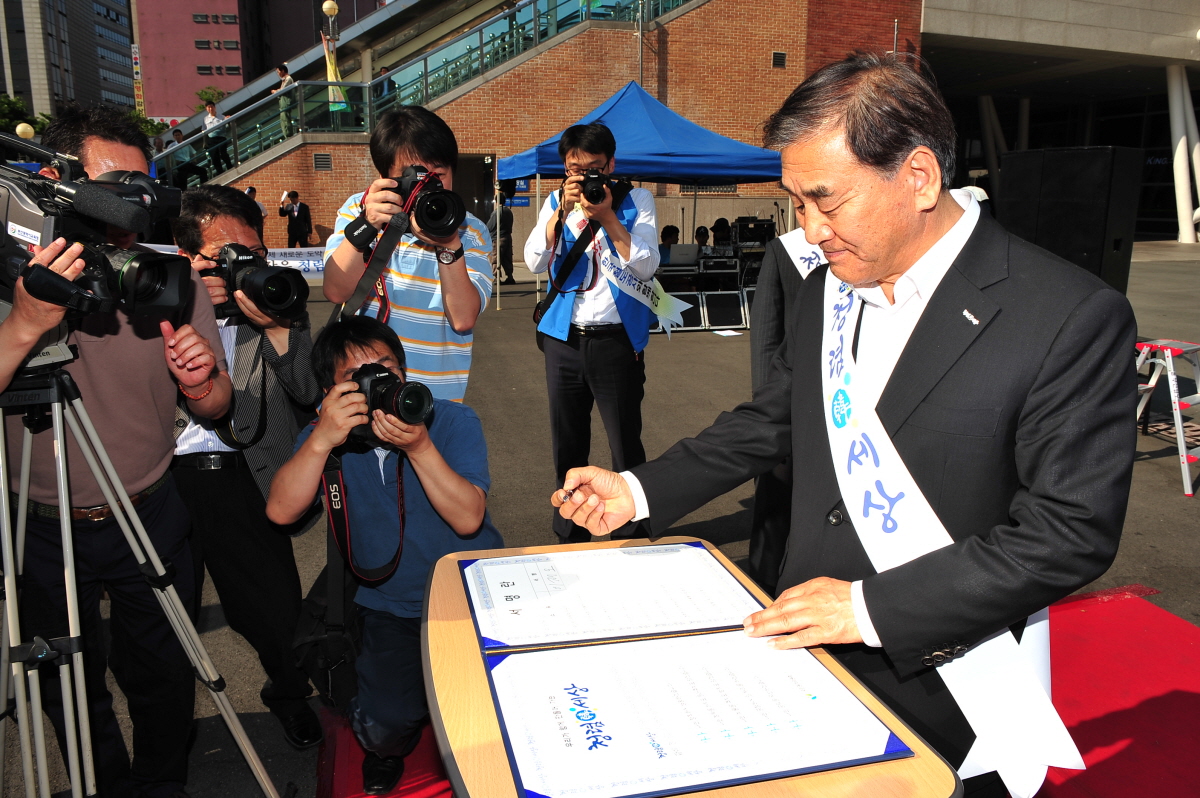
889, 524
840, 409
810, 260
841, 312
836, 360
858, 453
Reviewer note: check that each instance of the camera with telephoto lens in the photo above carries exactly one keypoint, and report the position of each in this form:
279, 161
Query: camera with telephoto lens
37, 210
593, 185
411, 402
276, 290
437, 211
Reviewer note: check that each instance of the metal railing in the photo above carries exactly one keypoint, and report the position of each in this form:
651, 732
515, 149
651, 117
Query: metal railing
318, 106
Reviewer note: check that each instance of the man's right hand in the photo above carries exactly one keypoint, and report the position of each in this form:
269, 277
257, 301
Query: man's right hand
381, 203
33, 317
344, 408
596, 499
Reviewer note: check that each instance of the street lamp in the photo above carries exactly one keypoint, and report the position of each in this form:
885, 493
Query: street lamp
330, 9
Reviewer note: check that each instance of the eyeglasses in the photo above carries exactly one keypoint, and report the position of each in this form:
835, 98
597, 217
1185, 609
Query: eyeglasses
580, 170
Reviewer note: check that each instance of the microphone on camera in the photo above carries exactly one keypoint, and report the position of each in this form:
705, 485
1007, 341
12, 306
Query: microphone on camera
103, 205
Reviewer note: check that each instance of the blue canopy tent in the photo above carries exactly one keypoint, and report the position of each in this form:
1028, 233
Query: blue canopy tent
656, 145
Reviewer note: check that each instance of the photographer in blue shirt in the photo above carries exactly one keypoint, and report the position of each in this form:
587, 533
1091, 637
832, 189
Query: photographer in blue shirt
424, 485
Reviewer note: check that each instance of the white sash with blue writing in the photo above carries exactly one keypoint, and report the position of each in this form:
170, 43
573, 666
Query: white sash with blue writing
667, 308
1002, 687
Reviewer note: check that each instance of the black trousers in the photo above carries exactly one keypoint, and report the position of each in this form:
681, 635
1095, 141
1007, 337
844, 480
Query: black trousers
506, 260
254, 571
296, 240
770, 524
146, 658
390, 709
593, 369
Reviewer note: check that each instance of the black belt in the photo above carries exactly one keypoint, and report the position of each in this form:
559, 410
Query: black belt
209, 461
587, 330
101, 511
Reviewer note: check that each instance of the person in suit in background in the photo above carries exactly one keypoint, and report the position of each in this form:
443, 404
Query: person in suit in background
787, 261
299, 220
997, 383
224, 469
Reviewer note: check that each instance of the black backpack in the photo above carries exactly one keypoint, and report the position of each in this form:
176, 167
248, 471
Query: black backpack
329, 632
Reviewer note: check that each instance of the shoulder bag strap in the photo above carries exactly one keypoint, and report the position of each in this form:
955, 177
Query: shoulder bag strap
380, 255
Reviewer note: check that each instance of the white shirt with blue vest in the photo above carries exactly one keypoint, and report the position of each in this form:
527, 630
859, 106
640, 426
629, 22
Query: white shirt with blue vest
605, 303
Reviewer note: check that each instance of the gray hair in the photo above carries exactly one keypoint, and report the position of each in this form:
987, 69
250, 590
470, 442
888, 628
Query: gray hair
884, 104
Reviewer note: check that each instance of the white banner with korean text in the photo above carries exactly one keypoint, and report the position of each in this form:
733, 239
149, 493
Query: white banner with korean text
1002, 687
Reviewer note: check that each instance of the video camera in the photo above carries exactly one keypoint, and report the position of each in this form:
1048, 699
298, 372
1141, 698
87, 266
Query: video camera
36, 210
276, 290
411, 402
438, 211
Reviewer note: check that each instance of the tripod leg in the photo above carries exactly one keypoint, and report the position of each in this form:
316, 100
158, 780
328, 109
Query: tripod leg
143, 551
74, 627
22, 496
39, 731
18, 676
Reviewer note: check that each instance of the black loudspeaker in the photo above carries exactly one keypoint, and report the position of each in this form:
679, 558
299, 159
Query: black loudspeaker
1078, 202
723, 310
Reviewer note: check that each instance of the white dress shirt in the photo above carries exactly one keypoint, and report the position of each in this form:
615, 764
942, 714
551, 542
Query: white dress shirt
597, 306
196, 439
886, 328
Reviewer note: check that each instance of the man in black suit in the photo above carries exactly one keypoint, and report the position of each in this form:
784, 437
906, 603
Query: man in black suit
787, 261
299, 220
224, 469
1005, 383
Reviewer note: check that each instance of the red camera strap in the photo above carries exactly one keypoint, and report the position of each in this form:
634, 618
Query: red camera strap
334, 487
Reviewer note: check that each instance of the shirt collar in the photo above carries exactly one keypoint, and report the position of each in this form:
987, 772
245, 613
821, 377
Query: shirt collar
924, 276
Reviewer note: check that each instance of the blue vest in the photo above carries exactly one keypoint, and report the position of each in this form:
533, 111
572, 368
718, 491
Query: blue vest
636, 317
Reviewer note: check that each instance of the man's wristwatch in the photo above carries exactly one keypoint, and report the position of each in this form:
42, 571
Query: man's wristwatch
448, 256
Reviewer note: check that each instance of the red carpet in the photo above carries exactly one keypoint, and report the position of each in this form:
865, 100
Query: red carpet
1126, 681
339, 766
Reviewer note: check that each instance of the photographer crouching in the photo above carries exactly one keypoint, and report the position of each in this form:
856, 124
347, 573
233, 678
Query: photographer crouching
396, 446
130, 368
224, 469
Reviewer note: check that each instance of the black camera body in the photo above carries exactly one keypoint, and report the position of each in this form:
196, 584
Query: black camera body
276, 290
593, 185
437, 211
411, 402
36, 210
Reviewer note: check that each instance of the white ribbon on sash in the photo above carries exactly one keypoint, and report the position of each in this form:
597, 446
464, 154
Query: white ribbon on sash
804, 255
1002, 687
667, 308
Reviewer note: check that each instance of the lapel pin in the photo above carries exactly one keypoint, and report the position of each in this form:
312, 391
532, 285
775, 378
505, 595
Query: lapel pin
970, 318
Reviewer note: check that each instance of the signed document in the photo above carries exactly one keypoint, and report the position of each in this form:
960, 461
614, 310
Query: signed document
603, 593
659, 716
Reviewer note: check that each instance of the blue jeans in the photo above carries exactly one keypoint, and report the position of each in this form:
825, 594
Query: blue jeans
389, 711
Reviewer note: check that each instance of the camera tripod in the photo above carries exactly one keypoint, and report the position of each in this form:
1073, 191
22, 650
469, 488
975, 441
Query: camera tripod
19, 660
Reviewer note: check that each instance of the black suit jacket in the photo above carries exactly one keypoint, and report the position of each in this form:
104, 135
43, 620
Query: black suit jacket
774, 298
1017, 429
300, 223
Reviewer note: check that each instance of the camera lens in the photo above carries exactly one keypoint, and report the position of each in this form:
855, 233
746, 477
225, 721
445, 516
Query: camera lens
149, 283
439, 212
277, 290
410, 402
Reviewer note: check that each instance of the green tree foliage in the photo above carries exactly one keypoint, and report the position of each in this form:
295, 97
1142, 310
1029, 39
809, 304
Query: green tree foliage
150, 127
209, 94
13, 112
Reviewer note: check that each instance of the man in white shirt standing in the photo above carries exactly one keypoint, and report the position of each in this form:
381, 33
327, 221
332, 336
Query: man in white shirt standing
595, 330
217, 142
956, 402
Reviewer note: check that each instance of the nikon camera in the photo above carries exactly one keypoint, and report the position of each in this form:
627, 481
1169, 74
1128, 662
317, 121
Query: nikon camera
276, 290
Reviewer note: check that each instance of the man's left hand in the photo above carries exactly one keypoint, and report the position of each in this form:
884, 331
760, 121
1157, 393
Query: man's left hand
264, 321
409, 438
601, 212
189, 355
818, 612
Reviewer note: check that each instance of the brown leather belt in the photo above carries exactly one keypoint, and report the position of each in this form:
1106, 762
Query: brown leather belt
98, 513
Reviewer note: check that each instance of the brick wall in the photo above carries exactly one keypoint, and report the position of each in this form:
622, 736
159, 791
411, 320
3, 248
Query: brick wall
838, 27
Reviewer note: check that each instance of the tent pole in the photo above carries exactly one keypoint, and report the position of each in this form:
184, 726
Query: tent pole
537, 286
695, 194
496, 270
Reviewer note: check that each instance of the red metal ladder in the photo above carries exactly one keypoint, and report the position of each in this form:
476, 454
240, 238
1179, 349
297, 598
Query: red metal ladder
1163, 354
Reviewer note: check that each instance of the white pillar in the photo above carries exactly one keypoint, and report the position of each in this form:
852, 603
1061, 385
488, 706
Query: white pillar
1189, 124
1183, 187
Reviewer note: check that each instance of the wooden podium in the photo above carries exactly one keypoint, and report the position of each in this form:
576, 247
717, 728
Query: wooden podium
468, 730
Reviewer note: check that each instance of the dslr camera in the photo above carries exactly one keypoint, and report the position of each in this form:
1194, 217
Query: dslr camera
438, 212
276, 290
593, 185
37, 210
411, 402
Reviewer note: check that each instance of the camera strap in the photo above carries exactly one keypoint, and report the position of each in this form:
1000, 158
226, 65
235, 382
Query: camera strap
334, 487
372, 280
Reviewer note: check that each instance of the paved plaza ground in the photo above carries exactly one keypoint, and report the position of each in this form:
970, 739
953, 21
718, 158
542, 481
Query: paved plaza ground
690, 379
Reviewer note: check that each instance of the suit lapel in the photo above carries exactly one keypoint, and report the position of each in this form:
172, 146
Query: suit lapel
246, 363
957, 313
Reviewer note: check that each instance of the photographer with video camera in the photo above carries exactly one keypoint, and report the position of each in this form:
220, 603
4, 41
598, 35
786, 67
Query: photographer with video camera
394, 445
597, 237
407, 246
130, 367
224, 468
